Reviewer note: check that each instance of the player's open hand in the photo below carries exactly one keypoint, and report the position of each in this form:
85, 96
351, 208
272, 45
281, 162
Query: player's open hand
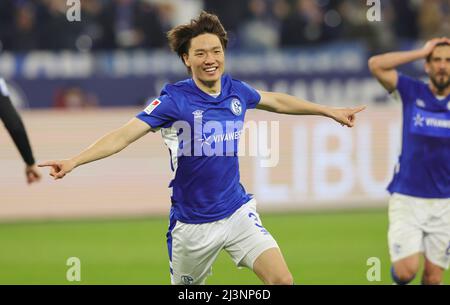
32, 173
59, 168
346, 116
431, 44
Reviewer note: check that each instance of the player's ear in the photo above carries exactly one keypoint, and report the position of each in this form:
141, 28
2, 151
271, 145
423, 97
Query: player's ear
186, 60
427, 67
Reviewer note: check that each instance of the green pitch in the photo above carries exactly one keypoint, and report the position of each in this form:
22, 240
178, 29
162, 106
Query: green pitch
320, 248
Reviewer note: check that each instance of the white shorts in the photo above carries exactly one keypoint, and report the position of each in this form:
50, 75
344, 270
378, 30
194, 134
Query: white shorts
193, 248
419, 225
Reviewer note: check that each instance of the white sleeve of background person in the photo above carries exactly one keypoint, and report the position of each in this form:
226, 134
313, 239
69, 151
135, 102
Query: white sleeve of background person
3, 88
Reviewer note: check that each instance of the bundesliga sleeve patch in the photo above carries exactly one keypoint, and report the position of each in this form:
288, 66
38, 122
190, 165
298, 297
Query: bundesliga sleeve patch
149, 109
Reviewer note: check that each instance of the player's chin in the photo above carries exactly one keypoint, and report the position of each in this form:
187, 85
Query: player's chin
211, 77
443, 83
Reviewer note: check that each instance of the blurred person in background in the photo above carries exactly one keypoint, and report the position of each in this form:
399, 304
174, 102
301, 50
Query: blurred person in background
92, 32
6, 21
13, 123
132, 24
419, 207
406, 24
261, 29
304, 25
211, 211
25, 34
232, 15
56, 32
74, 98
310, 22
434, 18
356, 27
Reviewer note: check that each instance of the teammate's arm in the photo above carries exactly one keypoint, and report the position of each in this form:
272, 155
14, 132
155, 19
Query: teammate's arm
13, 123
383, 66
287, 104
106, 146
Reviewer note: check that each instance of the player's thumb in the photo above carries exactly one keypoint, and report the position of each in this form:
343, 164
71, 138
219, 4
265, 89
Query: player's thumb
60, 175
348, 122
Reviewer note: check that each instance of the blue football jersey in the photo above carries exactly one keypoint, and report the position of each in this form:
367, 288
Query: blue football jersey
202, 133
423, 168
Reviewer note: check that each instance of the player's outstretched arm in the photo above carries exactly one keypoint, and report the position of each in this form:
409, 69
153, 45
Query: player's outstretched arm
106, 146
383, 66
288, 104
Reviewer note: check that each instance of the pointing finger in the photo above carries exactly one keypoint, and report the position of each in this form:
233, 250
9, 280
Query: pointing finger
358, 109
47, 163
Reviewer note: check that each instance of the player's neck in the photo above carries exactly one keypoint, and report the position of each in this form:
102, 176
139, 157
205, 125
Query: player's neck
438, 92
212, 87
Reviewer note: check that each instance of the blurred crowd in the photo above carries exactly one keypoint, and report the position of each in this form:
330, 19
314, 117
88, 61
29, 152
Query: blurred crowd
252, 24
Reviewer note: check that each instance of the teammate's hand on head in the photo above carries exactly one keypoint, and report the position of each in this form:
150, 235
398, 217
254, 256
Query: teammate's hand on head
32, 173
431, 44
346, 116
59, 168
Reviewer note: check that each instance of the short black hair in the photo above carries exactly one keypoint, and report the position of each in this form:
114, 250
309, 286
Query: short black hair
441, 44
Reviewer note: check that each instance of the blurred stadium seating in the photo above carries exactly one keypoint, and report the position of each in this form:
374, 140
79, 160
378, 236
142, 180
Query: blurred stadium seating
117, 54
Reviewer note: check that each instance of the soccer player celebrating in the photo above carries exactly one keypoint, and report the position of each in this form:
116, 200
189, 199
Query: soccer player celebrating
419, 208
16, 129
201, 120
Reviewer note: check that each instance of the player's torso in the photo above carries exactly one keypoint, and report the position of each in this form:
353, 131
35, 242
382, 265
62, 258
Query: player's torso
211, 126
206, 184
425, 156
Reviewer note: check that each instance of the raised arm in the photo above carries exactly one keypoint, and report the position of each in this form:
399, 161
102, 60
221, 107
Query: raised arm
106, 146
383, 66
287, 104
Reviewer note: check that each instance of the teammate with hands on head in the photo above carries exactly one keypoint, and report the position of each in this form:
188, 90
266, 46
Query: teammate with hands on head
419, 206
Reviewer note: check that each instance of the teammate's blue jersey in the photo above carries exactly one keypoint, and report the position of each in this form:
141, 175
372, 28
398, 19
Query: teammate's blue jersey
202, 133
423, 168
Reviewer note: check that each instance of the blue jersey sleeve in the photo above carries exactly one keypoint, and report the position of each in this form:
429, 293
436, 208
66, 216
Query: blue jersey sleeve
160, 112
251, 96
407, 87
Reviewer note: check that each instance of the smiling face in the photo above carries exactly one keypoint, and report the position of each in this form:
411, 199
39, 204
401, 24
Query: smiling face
438, 68
206, 59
